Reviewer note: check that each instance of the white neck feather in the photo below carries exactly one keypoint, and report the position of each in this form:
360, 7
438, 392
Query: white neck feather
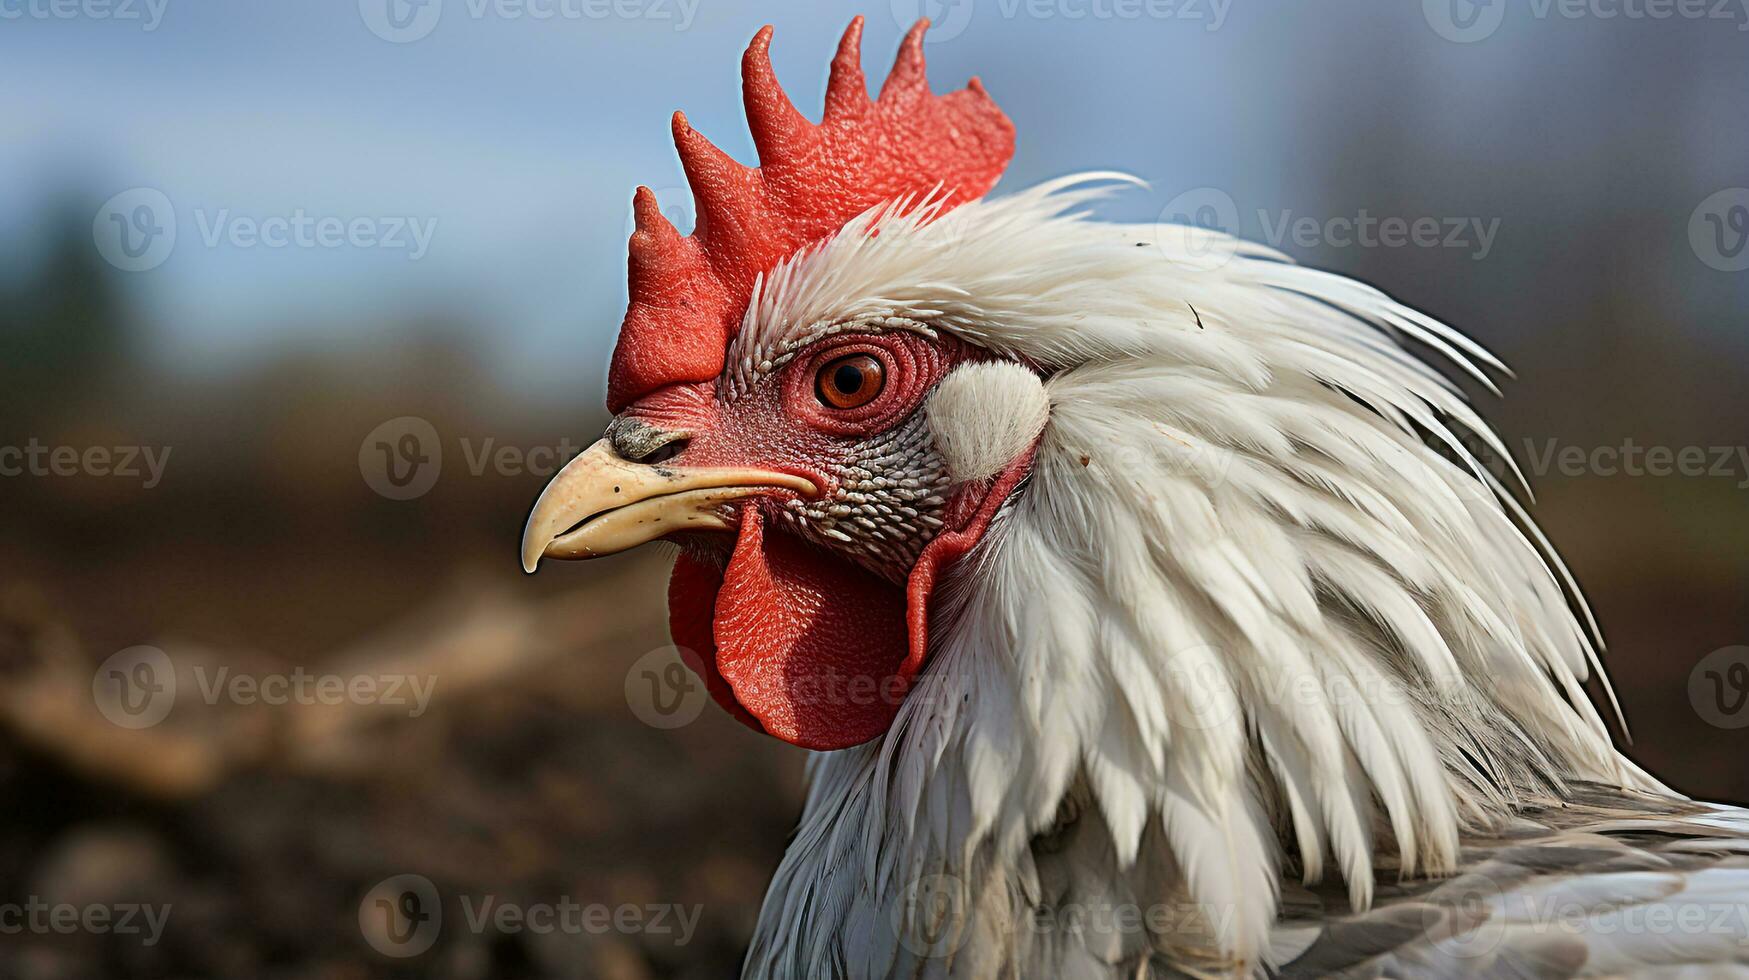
1243, 608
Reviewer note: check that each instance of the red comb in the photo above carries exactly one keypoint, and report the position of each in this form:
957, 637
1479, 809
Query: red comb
688, 294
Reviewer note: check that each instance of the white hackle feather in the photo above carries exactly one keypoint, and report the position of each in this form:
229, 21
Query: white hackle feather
983, 415
1258, 608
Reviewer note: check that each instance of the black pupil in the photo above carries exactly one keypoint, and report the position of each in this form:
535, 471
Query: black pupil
847, 379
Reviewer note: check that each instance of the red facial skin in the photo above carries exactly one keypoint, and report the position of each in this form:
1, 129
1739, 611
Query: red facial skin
799, 636
781, 424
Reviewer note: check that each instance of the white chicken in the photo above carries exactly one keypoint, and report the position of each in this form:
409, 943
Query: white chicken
1149, 613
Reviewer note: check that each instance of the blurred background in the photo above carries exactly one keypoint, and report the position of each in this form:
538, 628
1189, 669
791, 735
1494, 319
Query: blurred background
302, 302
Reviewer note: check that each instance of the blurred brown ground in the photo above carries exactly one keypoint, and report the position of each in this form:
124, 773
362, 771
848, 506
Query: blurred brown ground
530, 778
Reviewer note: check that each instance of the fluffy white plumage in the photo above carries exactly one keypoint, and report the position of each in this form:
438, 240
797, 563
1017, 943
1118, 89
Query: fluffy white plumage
1257, 608
984, 414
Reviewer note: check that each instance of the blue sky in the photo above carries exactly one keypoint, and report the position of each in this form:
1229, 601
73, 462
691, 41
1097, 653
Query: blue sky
517, 138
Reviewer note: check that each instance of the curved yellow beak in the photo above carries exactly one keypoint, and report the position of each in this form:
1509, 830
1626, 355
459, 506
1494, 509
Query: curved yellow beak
600, 504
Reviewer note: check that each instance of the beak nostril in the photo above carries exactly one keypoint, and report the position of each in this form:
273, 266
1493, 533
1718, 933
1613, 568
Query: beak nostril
664, 452
637, 441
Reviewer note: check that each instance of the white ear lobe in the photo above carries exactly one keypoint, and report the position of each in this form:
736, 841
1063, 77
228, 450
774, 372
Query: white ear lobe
984, 414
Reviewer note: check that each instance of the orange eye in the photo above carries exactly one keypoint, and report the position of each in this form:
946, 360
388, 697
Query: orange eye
850, 382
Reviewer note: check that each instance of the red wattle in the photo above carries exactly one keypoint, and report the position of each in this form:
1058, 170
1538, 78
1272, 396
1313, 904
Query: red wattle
692, 602
802, 643
969, 513
808, 641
